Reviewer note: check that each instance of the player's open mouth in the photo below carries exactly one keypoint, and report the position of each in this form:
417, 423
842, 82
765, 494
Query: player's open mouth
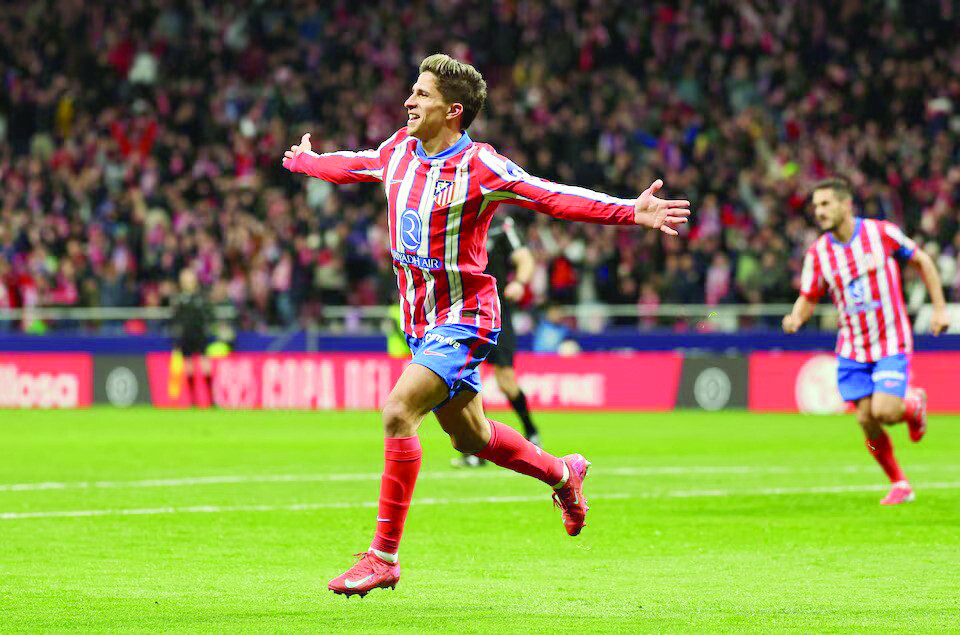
412, 117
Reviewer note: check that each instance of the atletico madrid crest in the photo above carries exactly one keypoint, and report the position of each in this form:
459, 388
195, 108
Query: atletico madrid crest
443, 193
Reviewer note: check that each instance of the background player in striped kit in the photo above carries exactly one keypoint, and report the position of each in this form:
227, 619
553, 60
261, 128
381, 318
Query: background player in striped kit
442, 189
855, 259
507, 254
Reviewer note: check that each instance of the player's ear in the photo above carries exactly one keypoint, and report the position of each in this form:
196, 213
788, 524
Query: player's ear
455, 110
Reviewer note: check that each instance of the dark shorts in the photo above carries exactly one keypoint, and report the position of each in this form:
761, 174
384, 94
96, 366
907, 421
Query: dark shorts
453, 352
192, 346
506, 348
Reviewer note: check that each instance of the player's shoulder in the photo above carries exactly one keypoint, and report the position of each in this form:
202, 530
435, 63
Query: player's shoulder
487, 157
395, 139
876, 223
817, 245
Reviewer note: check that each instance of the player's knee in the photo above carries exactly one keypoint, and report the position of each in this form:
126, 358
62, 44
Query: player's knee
885, 414
398, 419
867, 421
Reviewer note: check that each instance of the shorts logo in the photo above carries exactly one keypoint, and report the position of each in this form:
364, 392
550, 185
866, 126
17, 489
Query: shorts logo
443, 193
410, 230
889, 375
435, 337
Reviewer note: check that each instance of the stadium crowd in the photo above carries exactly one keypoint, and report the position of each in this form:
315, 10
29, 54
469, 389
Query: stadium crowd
141, 137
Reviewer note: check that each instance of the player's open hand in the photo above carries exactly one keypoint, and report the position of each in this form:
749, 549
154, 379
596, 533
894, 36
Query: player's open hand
295, 151
940, 321
791, 324
659, 213
514, 291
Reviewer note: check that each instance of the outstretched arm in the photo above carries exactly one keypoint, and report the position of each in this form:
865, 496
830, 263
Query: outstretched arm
503, 180
931, 278
336, 167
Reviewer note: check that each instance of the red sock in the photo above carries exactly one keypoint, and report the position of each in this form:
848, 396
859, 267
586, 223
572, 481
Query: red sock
401, 465
507, 448
911, 405
882, 451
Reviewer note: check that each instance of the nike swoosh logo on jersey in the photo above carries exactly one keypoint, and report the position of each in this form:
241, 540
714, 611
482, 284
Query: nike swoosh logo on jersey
353, 584
434, 353
383, 520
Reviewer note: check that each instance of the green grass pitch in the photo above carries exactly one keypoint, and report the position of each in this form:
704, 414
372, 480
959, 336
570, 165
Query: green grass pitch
200, 521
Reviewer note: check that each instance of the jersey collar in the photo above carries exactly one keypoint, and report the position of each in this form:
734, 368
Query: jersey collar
857, 221
456, 148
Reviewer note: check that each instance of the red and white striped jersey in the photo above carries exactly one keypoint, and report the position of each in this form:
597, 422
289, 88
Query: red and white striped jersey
439, 209
864, 280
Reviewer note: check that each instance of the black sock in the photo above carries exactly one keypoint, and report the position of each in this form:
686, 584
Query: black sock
519, 404
208, 380
194, 390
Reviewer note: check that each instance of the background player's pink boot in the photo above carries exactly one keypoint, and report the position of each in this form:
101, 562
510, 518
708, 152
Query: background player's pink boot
901, 492
570, 497
916, 413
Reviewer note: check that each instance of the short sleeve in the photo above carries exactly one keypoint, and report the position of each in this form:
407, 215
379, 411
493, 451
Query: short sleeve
899, 243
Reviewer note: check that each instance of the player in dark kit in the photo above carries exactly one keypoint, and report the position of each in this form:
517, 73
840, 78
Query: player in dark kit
506, 253
192, 317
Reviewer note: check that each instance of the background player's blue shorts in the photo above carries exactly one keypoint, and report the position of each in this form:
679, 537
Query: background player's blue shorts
454, 351
859, 379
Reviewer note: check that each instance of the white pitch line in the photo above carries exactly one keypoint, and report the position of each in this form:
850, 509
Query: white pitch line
711, 493
219, 509
471, 474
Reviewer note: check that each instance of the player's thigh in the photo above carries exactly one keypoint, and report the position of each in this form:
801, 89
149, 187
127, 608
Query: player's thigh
462, 418
416, 393
889, 387
886, 407
864, 410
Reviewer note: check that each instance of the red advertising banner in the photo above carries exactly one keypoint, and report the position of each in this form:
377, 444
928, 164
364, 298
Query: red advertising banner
45, 380
592, 381
641, 381
807, 382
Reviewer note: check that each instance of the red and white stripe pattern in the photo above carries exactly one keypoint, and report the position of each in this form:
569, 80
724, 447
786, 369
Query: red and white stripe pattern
864, 280
439, 210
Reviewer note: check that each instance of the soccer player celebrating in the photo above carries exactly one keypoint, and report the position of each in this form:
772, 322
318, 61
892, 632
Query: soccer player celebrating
442, 189
506, 251
856, 259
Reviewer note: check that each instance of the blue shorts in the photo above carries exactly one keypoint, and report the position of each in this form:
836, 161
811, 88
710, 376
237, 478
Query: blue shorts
860, 379
453, 352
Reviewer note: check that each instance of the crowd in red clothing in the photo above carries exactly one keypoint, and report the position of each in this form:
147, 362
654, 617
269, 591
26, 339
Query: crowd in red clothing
138, 138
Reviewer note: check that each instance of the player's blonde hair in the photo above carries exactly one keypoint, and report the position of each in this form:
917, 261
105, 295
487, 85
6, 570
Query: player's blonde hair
458, 82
